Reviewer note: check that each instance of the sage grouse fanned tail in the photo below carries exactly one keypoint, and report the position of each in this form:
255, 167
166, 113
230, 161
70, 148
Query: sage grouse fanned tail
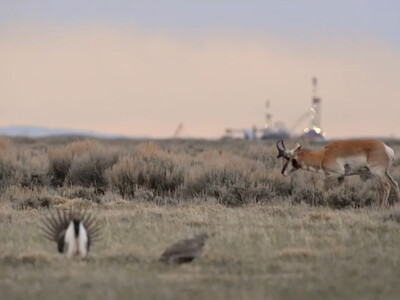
73, 231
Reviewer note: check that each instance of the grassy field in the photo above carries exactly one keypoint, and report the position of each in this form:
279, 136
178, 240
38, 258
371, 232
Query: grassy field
258, 252
274, 237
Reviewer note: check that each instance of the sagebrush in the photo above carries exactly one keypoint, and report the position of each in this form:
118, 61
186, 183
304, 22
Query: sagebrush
232, 173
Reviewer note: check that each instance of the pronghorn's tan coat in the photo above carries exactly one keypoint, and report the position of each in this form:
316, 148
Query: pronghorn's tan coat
343, 158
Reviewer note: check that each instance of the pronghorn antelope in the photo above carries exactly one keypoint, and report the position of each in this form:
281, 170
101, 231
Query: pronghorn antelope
73, 232
343, 158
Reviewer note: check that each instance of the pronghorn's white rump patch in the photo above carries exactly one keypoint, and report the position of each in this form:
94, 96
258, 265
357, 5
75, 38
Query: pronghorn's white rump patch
390, 153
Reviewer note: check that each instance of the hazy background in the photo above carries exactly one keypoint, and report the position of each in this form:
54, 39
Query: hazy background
141, 68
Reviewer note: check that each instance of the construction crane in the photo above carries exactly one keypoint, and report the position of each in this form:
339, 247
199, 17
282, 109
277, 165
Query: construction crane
178, 130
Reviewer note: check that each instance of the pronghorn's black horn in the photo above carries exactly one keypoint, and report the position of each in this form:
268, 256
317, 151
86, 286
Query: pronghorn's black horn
277, 145
281, 150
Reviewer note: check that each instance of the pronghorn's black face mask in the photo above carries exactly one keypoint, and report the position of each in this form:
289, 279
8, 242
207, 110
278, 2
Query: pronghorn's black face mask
291, 163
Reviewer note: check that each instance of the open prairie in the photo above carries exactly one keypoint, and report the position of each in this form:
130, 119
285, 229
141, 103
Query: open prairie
274, 237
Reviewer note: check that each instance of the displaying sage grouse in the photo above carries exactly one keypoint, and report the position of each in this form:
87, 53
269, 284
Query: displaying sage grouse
184, 251
73, 231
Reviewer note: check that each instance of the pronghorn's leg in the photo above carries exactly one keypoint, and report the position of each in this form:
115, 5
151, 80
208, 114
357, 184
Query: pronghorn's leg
334, 173
386, 192
394, 184
331, 180
385, 183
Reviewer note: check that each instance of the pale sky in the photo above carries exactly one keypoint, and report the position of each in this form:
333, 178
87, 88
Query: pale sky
141, 68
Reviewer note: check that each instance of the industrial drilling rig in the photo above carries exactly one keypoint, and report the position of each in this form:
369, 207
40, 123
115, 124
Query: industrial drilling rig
277, 130
315, 132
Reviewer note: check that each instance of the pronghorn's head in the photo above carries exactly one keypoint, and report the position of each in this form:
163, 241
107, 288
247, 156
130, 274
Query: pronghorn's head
291, 163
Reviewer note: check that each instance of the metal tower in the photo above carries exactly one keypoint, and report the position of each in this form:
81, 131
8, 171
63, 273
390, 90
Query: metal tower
316, 107
315, 130
268, 115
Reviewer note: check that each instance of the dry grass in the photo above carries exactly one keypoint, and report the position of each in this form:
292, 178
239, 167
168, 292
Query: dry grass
258, 252
274, 237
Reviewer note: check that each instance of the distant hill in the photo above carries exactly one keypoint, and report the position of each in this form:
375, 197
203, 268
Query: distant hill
35, 131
